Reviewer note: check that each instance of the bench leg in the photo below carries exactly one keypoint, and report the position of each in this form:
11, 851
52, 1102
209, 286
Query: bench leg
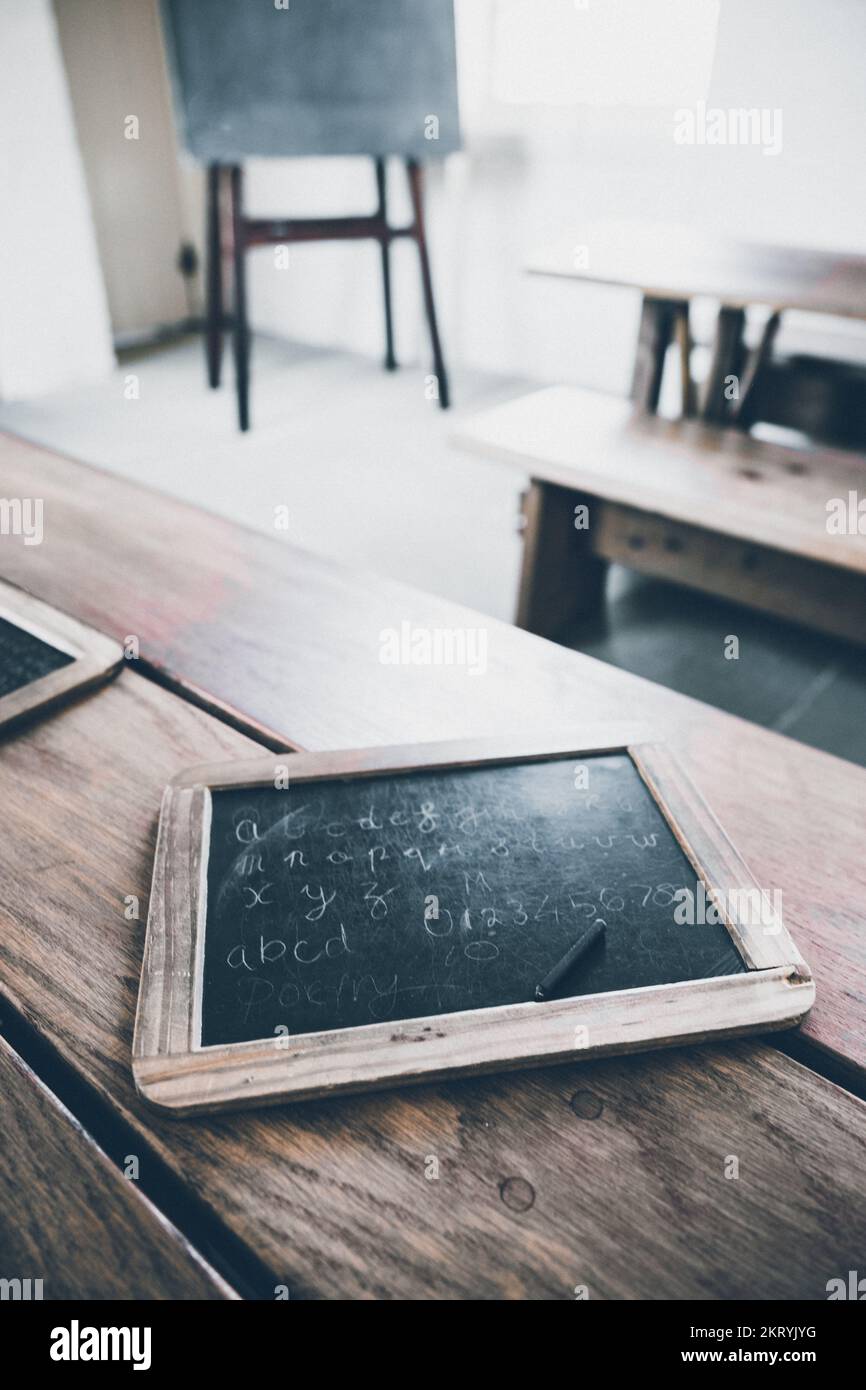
561, 579
214, 289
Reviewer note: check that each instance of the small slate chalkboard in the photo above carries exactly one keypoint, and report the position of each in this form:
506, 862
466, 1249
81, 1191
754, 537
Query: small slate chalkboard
45, 656
350, 902
344, 920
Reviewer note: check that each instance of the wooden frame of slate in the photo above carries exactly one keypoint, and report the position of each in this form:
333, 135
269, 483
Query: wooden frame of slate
174, 1072
87, 656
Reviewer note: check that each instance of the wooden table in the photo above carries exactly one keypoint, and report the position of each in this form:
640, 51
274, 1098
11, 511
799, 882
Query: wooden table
673, 265
609, 1175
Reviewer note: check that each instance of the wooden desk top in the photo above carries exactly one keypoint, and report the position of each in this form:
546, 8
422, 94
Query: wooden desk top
608, 1174
668, 262
286, 645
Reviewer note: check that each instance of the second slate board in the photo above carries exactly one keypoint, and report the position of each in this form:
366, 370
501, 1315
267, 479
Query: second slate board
46, 656
386, 917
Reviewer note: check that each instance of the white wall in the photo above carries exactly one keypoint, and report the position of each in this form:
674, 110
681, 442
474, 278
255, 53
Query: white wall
532, 173
54, 327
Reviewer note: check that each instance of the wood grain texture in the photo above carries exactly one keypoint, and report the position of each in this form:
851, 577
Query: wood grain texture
682, 262
606, 1174
71, 1219
289, 644
718, 480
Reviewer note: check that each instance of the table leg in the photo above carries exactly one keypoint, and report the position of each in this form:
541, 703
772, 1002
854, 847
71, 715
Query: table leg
684, 345
727, 360
757, 361
657, 321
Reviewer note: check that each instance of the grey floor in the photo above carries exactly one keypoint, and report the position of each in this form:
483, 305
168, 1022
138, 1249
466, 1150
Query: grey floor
363, 463
811, 687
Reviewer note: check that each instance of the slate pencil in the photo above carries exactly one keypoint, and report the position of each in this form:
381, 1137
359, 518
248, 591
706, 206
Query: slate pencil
569, 960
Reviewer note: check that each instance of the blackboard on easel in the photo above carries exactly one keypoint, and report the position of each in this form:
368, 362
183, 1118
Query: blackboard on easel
315, 77
340, 921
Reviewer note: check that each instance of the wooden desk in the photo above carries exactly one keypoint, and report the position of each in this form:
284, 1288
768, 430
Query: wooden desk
609, 1175
673, 265
286, 646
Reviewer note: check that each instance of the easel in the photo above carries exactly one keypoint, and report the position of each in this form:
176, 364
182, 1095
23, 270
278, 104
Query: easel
237, 233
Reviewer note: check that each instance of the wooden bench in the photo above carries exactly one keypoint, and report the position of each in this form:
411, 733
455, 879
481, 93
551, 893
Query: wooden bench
608, 1175
713, 509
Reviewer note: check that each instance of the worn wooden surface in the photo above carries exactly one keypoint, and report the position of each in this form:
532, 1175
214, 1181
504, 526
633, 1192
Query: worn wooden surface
609, 1175
290, 644
69, 1217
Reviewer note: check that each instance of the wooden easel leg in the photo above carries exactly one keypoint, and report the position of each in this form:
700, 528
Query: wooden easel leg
417, 195
214, 290
241, 327
561, 579
726, 362
385, 248
656, 327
